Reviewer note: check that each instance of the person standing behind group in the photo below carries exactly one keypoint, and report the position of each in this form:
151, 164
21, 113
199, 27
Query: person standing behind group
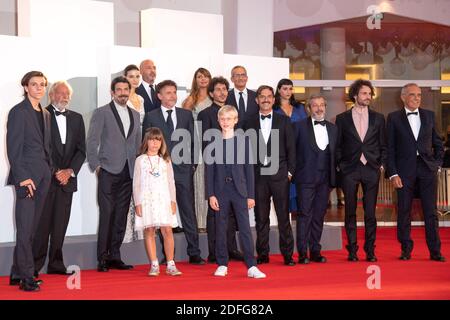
315, 174
147, 88
28, 148
155, 198
136, 102
68, 155
286, 104
197, 101
361, 156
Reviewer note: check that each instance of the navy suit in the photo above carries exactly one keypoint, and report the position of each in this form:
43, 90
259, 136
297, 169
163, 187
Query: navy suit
149, 104
29, 154
251, 109
417, 172
183, 171
315, 174
232, 184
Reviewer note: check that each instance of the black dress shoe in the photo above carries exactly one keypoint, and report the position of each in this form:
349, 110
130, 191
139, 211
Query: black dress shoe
29, 285
13, 281
177, 230
236, 255
317, 257
353, 257
262, 259
303, 258
371, 257
119, 265
405, 255
288, 261
102, 266
437, 257
196, 260
212, 259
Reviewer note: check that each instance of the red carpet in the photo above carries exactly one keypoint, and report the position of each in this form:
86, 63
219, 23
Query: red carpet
419, 278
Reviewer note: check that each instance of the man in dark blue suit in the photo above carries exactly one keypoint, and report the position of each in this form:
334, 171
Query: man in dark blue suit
415, 154
177, 125
315, 174
243, 99
230, 185
147, 88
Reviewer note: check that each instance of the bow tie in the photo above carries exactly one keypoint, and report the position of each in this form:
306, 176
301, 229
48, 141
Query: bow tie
269, 116
414, 113
322, 122
57, 113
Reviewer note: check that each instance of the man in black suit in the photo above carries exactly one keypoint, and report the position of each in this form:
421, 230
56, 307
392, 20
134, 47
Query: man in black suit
315, 174
29, 153
242, 98
415, 155
147, 88
218, 91
178, 124
113, 141
361, 156
273, 171
68, 154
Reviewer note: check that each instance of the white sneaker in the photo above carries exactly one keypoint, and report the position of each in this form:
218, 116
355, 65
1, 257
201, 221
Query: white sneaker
173, 271
254, 272
221, 271
154, 271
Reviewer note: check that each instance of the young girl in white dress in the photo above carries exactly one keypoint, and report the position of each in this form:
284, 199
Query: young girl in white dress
155, 198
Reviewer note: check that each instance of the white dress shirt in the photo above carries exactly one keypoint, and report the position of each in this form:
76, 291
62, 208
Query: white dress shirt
173, 115
147, 89
414, 122
124, 117
244, 96
61, 121
266, 127
320, 134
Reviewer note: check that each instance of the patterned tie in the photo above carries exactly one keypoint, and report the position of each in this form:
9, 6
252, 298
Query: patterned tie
169, 121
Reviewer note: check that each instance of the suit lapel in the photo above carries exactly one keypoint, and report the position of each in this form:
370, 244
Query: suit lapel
70, 130
31, 113
116, 115
331, 138
56, 136
422, 123
312, 135
351, 124
404, 120
371, 125
130, 114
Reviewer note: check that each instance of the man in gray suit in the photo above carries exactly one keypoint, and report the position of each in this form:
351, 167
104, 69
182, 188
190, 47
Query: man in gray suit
113, 142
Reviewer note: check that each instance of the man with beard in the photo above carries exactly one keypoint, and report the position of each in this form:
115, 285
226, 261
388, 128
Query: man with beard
361, 156
147, 88
113, 142
68, 154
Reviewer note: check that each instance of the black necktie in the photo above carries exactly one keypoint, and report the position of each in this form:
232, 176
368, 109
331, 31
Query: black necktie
169, 121
152, 94
322, 122
268, 116
414, 113
241, 109
57, 113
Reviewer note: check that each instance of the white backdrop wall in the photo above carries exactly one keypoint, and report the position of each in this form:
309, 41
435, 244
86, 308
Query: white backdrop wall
88, 59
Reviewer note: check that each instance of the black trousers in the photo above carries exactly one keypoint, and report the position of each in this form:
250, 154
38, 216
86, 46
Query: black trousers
425, 182
211, 231
369, 178
114, 195
230, 200
28, 212
279, 191
52, 226
312, 202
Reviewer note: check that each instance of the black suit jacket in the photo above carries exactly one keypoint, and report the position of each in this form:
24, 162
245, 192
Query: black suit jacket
209, 120
403, 147
242, 171
148, 104
185, 121
285, 144
73, 153
308, 152
350, 146
252, 106
28, 148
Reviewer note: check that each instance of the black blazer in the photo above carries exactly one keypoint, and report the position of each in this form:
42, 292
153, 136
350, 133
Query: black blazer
73, 154
252, 106
28, 149
209, 120
286, 144
185, 121
242, 171
308, 151
148, 104
403, 147
350, 146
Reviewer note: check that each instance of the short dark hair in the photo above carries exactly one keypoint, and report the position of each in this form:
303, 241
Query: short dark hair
216, 80
264, 87
130, 67
119, 79
165, 83
357, 85
284, 82
27, 77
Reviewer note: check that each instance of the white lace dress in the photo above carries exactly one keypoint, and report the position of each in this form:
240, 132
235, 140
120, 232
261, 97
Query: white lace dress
154, 189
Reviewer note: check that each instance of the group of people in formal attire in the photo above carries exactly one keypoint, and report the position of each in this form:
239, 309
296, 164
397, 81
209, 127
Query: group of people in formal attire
221, 153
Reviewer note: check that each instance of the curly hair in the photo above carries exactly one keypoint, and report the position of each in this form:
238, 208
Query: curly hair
356, 86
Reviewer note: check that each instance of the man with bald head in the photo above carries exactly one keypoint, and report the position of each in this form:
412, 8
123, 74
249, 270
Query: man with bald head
147, 88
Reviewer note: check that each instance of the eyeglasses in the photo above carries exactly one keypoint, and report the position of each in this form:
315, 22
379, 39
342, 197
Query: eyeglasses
240, 75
